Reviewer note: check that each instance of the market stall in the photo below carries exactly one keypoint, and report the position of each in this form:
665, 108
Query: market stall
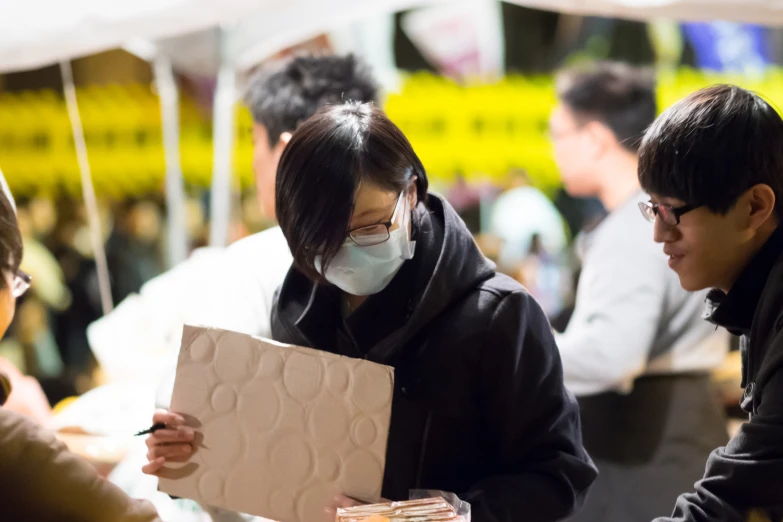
246, 32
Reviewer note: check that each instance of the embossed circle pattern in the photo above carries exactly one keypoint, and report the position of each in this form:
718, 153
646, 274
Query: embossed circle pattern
291, 459
259, 405
283, 505
338, 378
295, 415
362, 473
235, 358
364, 432
302, 376
224, 399
312, 503
280, 394
270, 365
328, 467
366, 396
248, 486
226, 445
202, 348
210, 487
328, 420
192, 391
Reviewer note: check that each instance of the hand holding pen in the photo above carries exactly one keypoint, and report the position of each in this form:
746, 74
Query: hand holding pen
169, 440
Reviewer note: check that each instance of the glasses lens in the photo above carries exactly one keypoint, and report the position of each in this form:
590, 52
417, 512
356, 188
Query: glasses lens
647, 211
21, 284
369, 236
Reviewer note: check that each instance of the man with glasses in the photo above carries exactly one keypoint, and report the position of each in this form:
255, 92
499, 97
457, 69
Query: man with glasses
713, 166
635, 352
39, 478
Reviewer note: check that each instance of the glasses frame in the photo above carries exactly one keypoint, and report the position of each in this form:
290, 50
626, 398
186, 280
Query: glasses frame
651, 210
20, 284
386, 224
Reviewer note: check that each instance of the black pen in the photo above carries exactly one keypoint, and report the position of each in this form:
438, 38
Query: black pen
153, 429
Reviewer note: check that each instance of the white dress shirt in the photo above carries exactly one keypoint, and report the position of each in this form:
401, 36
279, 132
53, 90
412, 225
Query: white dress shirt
230, 288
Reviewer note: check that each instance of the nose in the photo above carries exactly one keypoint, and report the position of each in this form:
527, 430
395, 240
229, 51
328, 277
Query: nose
662, 232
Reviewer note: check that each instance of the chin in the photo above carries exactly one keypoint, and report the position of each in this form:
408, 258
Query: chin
576, 191
691, 284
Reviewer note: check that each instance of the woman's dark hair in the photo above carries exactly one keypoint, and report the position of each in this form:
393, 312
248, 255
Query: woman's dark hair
619, 95
711, 147
321, 169
10, 240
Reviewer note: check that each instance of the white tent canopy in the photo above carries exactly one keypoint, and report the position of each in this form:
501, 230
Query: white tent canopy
35, 33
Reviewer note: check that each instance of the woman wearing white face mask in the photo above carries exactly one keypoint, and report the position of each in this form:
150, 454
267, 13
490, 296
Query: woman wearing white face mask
387, 272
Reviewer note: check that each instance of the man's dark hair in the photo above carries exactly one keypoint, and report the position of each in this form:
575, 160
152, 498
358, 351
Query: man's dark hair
283, 95
321, 169
711, 147
10, 240
620, 96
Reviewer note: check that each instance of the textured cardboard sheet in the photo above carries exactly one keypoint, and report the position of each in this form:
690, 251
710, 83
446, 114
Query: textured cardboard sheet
282, 429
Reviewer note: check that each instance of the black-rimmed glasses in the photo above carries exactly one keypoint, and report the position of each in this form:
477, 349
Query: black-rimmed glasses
670, 215
378, 233
20, 284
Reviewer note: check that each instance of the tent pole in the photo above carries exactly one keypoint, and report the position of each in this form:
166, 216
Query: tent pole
222, 143
88, 190
175, 191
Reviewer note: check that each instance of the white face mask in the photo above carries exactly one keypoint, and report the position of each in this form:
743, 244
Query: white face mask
366, 270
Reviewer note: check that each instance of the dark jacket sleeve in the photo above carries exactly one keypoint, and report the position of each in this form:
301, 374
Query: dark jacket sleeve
40, 479
745, 477
542, 472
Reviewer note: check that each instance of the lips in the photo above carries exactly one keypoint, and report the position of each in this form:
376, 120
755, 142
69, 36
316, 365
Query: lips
675, 258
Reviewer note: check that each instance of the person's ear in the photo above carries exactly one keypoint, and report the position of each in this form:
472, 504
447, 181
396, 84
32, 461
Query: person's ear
284, 139
599, 137
760, 204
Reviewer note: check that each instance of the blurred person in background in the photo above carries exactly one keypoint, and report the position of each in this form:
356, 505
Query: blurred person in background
132, 250
232, 287
635, 353
70, 244
532, 232
466, 200
39, 478
385, 271
713, 166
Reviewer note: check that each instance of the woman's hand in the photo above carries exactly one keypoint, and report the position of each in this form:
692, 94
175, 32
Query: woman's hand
340, 501
174, 443
27, 396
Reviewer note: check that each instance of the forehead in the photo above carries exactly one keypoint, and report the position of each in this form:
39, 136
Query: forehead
372, 202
